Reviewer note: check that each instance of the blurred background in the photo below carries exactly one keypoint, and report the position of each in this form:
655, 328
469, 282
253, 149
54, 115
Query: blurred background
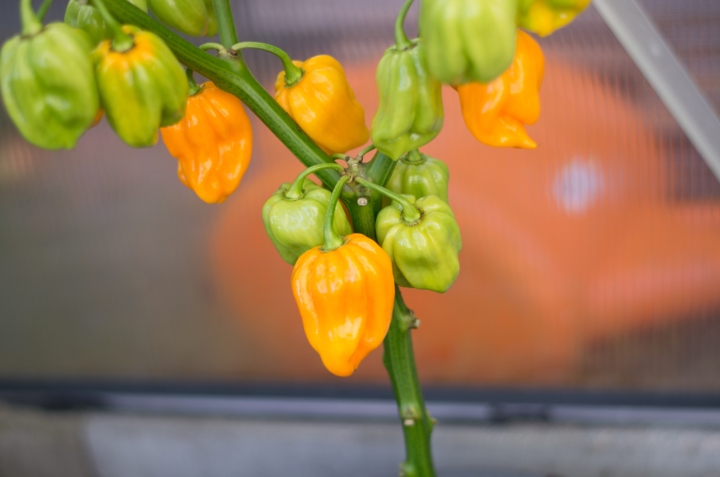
590, 267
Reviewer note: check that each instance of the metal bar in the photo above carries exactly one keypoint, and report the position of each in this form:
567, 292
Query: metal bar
667, 76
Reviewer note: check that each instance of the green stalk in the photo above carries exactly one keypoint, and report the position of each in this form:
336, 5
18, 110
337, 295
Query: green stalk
193, 87
410, 213
121, 40
31, 25
226, 25
414, 157
401, 40
296, 189
42, 11
293, 74
333, 240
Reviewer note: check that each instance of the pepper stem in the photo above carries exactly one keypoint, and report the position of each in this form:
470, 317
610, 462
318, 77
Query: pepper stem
414, 157
296, 189
293, 74
43, 9
410, 213
362, 153
121, 40
401, 39
193, 86
333, 240
31, 25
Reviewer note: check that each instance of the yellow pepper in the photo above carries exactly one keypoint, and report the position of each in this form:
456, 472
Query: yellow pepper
545, 16
345, 297
496, 112
212, 143
324, 105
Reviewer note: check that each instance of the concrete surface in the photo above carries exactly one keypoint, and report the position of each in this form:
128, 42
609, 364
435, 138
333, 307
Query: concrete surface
39, 444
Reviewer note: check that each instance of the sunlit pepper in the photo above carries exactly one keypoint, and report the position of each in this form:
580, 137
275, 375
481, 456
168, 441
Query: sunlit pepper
212, 143
142, 87
345, 292
294, 216
80, 14
48, 83
192, 17
545, 16
419, 175
468, 40
320, 99
495, 113
410, 109
423, 241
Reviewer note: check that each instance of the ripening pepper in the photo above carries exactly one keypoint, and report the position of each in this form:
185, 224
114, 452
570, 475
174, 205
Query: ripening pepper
142, 88
192, 17
212, 143
468, 40
423, 242
323, 104
410, 109
47, 82
495, 113
345, 297
294, 216
80, 14
545, 16
419, 175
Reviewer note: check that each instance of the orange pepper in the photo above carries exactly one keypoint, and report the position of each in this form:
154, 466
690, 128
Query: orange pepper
496, 112
212, 143
345, 297
324, 105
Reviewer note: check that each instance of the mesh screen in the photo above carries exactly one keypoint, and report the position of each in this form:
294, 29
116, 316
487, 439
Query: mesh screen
593, 261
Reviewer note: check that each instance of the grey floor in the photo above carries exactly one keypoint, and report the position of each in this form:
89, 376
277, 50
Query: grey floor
39, 444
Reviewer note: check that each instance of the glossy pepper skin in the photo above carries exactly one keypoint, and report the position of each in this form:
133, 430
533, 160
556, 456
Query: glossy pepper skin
192, 17
468, 40
47, 82
80, 14
410, 110
345, 297
495, 113
324, 105
419, 175
295, 224
141, 89
425, 252
545, 16
212, 143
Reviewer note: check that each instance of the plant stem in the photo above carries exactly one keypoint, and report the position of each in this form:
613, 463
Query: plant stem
121, 40
333, 240
410, 213
400, 364
293, 74
401, 39
226, 25
30, 23
296, 189
42, 11
193, 87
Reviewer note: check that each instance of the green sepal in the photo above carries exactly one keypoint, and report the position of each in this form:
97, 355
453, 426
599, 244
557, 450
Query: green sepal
410, 110
48, 85
468, 40
428, 176
424, 253
192, 17
80, 14
296, 226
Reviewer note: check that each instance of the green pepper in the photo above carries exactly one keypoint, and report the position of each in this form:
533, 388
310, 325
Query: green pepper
423, 240
419, 175
192, 17
410, 110
294, 216
468, 40
47, 82
142, 86
80, 14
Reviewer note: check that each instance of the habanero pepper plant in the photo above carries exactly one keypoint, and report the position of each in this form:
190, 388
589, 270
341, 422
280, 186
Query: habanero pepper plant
110, 57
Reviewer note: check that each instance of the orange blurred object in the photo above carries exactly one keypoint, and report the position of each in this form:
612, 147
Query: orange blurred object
496, 112
564, 245
212, 143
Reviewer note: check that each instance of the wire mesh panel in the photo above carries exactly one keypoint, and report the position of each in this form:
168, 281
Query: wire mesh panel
593, 261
